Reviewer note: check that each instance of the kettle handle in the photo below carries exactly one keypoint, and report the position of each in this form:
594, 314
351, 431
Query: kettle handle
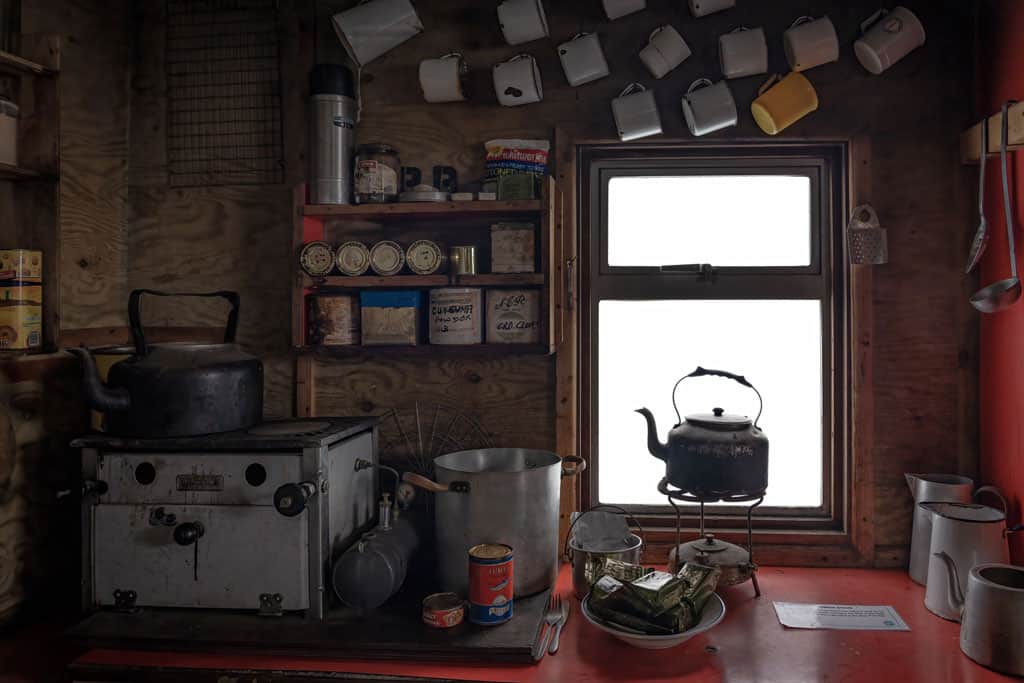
135, 320
704, 372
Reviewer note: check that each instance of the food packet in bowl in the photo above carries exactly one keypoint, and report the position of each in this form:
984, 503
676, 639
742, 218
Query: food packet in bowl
700, 581
598, 566
659, 591
611, 600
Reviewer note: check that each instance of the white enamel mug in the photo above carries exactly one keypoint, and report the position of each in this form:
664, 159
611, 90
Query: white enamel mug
665, 50
888, 38
743, 52
811, 42
702, 8
583, 59
372, 28
441, 79
615, 9
709, 106
522, 21
517, 81
636, 113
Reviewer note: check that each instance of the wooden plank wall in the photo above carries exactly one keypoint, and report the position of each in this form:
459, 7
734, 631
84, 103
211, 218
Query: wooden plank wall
924, 348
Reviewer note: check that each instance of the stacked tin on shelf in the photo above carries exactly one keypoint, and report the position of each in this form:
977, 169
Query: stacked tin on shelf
21, 300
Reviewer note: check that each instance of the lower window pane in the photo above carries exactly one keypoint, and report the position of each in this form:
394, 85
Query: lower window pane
645, 346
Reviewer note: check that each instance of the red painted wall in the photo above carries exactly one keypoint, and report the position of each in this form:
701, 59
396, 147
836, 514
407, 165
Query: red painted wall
1001, 77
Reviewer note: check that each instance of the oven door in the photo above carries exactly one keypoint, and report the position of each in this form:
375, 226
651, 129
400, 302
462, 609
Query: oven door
231, 565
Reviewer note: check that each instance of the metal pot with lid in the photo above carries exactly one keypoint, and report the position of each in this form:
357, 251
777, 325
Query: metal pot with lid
713, 456
735, 561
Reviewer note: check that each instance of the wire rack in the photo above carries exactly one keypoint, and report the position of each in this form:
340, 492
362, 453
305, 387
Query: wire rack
223, 93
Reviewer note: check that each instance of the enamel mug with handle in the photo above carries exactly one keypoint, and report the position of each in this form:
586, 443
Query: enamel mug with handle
517, 81
702, 8
743, 52
636, 113
442, 79
665, 50
522, 21
583, 59
888, 38
783, 102
615, 9
373, 28
811, 42
709, 106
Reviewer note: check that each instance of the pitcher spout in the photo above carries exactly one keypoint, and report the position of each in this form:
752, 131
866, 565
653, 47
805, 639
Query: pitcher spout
956, 596
657, 449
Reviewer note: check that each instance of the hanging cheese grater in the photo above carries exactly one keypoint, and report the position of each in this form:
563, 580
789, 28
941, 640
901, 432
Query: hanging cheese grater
867, 239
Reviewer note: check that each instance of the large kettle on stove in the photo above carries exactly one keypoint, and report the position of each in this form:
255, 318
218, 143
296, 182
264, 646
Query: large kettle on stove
714, 456
177, 389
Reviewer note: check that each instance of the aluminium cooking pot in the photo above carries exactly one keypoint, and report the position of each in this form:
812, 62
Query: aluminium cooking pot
177, 389
714, 456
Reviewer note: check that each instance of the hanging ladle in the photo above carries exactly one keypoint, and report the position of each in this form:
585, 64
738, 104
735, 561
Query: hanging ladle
999, 296
980, 242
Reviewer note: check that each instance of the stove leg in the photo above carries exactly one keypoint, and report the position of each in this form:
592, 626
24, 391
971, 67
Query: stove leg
757, 588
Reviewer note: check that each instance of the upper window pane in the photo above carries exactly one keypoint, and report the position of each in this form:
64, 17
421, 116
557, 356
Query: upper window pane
723, 220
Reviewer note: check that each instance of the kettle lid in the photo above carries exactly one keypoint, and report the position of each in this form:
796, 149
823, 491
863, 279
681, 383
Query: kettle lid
719, 420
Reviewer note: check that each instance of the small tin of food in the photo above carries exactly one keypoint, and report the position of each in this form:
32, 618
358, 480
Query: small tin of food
463, 260
333, 320
23, 265
512, 248
443, 610
424, 257
490, 584
456, 315
353, 258
317, 259
387, 258
21, 317
513, 316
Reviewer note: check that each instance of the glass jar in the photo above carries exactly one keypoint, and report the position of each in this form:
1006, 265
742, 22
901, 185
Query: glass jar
378, 170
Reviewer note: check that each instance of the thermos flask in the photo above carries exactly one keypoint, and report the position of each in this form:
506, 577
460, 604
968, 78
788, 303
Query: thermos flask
332, 111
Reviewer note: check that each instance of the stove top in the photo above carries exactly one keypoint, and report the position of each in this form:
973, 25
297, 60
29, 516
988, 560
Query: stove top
272, 435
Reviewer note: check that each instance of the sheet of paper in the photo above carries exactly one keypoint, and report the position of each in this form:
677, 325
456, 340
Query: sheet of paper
843, 617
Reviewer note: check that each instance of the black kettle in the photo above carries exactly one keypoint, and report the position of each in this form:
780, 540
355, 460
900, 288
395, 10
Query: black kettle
177, 389
714, 456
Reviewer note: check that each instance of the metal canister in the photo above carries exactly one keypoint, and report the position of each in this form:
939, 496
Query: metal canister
21, 316
332, 112
463, 260
456, 315
491, 584
443, 610
378, 170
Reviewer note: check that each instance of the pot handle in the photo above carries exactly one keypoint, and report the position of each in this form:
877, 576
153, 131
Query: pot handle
578, 465
703, 372
629, 518
995, 492
426, 484
135, 320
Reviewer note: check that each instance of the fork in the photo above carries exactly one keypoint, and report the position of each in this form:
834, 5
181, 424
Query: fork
551, 618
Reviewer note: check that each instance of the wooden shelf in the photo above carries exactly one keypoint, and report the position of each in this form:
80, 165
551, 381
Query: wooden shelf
970, 139
11, 64
418, 281
399, 210
501, 280
8, 172
433, 350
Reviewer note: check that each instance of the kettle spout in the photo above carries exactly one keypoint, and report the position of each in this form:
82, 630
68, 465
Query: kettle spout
956, 596
99, 396
657, 449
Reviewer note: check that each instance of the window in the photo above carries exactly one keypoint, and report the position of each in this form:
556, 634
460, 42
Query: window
723, 258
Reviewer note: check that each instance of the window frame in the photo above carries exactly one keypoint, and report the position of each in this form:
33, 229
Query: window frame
826, 278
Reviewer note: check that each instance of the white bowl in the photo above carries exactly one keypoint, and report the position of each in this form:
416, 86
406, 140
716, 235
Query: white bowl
714, 612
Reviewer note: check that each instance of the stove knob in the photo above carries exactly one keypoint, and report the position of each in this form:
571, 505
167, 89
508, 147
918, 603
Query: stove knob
290, 499
188, 533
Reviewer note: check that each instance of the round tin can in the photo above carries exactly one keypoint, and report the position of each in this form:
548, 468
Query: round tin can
387, 258
424, 257
317, 259
443, 610
490, 584
463, 260
353, 258
456, 315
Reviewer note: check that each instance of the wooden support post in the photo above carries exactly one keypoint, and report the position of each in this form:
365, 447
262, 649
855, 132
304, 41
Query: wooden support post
970, 140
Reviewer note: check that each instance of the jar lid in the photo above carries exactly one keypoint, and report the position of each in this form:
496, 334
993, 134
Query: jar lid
376, 148
719, 420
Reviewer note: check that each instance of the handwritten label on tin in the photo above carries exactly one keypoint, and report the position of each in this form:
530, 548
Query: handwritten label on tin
200, 482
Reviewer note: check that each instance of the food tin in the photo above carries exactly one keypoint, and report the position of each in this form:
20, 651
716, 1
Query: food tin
463, 260
424, 257
512, 248
21, 317
333, 320
390, 318
387, 258
353, 258
490, 584
378, 169
443, 610
317, 259
513, 316
24, 265
456, 315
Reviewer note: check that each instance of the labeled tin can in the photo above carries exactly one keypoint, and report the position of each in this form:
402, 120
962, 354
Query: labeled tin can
424, 257
387, 258
333, 320
513, 248
456, 315
317, 259
490, 584
443, 610
513, 316
377, 172
23, 265
21, 317
353, 258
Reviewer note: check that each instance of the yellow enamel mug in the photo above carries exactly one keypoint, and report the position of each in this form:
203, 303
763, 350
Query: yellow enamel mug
783, 102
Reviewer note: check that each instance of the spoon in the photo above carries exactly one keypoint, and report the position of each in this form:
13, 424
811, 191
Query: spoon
999, 296
980, 242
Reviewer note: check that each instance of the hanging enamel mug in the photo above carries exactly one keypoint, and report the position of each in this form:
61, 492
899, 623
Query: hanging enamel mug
517, 81
743, 52
887, 38
636, 113
811, 42
702, 8
665, 50
709, 106
522, 21
783, 102
615, 9
372, 28
583, 59
443, 79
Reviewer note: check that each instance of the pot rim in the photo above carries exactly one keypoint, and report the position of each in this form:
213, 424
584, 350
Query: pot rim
976, 574
445, 462
635, 546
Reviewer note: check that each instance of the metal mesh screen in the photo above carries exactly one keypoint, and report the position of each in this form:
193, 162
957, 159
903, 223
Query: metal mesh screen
223, 93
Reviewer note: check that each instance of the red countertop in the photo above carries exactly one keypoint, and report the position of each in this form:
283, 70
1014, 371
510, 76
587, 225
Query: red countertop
748, 646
